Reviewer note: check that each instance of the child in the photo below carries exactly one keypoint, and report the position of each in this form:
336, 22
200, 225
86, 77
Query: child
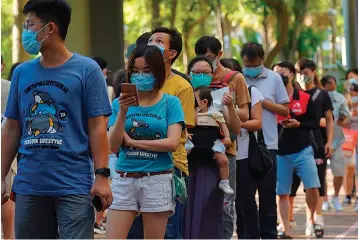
205, 100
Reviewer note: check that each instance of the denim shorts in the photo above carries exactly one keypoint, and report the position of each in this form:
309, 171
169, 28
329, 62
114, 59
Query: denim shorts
303, 163
146, 194
51, 217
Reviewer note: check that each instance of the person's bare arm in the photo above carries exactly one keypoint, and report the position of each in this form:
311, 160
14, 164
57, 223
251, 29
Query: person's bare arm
329, 125
280, 109
116, 133
323, 122
255, 123
225, 130
10, 142
169, 144
97, 131
232, 119
243, 112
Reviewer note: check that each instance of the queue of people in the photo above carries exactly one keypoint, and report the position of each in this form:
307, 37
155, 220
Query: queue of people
185, 153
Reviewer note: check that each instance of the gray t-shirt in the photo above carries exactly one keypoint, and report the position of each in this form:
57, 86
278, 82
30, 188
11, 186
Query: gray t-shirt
272, 88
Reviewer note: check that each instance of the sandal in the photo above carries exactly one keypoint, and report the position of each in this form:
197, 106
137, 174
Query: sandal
318, 231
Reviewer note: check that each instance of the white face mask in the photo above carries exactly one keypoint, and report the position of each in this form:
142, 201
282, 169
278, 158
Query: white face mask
354, 99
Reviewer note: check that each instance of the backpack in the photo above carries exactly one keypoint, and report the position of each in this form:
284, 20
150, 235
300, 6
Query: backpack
260, 159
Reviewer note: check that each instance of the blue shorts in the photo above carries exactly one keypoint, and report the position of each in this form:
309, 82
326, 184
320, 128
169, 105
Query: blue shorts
303, 163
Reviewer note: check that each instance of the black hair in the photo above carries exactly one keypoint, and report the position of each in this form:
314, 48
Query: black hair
231, 63
285, 80
325, 80
353, 70
119, 77
198, 59
288, 65
101, 62
205, 93
207, 43
2, 59
354, 87
175, 40
12, 69
307, 63
252, 51
57, 11
154, 58
143, 39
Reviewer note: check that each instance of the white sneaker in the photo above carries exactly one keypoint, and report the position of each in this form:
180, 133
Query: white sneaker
319, 219
309, 230
326, 206
336, 204
226, 187
357, 207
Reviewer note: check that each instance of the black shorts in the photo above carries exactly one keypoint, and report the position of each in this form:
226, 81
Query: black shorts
321, 169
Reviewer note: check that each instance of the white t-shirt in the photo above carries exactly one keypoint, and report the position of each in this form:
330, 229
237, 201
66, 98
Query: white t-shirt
243, 138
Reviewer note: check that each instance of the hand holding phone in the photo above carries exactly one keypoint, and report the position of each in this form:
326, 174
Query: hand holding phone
130, 90
96, 202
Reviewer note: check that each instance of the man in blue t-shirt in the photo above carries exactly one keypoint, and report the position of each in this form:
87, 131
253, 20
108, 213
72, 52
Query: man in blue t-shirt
56, 119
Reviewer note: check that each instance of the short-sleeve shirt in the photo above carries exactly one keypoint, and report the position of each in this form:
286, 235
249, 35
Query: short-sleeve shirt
271, 86
177, 86
53, 106
239, 87
243, 138
322, 103
147, 123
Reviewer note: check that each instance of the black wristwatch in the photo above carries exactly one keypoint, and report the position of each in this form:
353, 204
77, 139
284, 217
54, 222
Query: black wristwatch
103, 171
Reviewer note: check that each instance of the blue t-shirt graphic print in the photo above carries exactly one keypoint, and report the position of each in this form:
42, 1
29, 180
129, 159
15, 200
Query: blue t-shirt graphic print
53, 106
148, 123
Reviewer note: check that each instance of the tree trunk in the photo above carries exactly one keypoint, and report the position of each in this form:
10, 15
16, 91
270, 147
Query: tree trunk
18, 52
334, 31
186, 34
299, 11
266, 37
121, 36
282, 16
156, 21
174, 12
227, 32
219, 29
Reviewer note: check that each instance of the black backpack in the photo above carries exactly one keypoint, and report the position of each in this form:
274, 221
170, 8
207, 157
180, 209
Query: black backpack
260, 159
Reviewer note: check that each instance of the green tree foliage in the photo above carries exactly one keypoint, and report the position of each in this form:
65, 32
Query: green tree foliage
7, 21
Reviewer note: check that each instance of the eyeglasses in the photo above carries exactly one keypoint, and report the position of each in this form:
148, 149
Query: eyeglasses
136, 71
198, 74
29, 25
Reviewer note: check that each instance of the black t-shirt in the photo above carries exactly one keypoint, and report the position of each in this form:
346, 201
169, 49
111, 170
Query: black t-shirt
322, 103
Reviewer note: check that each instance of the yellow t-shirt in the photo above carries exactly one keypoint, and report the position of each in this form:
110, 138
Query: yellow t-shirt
177, 86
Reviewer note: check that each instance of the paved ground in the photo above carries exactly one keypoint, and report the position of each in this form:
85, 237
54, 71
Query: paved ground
343, 225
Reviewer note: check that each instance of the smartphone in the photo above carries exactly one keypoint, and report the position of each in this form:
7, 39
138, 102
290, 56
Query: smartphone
129, 89
285, 121
97, 203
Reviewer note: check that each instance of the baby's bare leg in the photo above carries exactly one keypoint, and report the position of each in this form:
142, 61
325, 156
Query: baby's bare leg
223, 164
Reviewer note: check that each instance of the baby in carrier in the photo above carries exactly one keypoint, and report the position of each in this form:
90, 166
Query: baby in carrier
205, 100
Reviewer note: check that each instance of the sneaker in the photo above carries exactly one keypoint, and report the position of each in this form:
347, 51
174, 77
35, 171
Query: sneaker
319, 219
347, 200
309, 230
326, 206
357, 207
98, 229
226, 187
336, 204
283, 235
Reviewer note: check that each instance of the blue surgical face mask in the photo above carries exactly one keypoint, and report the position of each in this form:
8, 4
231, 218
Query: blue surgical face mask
29, 41
161, 48
353, 81
199, 80
354, 99
144, 82
252, 71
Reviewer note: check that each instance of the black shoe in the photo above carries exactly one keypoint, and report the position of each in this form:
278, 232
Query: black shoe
282, 235
98, 229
